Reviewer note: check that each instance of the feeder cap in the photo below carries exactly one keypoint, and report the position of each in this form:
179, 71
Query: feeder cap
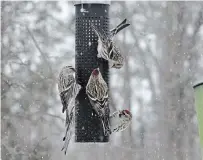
92, 2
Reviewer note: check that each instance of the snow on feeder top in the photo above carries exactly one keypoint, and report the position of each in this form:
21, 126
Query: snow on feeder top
88, 125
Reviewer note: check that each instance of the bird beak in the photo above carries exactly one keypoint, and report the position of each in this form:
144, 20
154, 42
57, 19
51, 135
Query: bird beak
74, 69
119, 115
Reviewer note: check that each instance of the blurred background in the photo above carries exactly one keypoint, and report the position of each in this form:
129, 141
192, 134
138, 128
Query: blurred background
164, 58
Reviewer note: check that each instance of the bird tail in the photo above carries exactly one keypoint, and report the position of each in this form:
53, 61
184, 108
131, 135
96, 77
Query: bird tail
67, 119
67, 139
119, 27
68, 133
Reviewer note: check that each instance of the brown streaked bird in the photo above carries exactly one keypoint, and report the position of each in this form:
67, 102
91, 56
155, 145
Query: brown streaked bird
120, 120
68, 90
97, 92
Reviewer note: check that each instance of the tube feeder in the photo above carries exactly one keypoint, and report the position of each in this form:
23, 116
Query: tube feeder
88, 127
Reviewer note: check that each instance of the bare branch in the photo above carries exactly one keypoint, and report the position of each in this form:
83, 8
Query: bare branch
39, 49
55, 116
38, 144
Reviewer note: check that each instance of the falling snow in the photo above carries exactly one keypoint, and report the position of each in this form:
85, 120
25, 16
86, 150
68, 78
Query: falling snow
161, 43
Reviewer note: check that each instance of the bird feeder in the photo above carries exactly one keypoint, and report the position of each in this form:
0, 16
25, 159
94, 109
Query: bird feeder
88, 126
198, 89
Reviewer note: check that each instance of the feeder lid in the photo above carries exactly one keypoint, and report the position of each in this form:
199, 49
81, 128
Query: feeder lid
92, 2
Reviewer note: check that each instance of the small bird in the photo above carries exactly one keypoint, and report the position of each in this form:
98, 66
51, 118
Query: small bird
106, 47
97, 92
68, 90
120, 120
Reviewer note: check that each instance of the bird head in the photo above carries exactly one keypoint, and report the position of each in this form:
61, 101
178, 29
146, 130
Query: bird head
95, 72
71, 68
68, 70
125, 113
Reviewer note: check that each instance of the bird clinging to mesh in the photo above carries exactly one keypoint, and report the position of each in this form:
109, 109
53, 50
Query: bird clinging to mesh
106, 47
97, 91
68, 90
120, 120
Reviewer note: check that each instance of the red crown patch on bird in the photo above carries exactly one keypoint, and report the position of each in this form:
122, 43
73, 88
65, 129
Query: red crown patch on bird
95, 72
128, 112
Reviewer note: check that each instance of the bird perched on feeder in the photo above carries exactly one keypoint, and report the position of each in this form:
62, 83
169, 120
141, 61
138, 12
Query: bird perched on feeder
68, 90
97, 92
120, 120
106, 47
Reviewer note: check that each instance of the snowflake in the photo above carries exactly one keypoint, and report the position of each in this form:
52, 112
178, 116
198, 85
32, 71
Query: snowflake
83, 10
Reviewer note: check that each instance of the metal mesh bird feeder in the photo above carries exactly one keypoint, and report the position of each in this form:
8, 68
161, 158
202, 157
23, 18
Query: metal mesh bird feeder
88, 126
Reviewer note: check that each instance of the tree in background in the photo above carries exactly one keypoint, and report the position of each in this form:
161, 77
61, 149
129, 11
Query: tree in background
163, 52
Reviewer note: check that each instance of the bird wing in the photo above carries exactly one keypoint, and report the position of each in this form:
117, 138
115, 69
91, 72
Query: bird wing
65, 99
65, 86
100, 106
102, 101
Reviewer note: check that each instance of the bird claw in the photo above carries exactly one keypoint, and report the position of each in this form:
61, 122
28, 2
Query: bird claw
79, 81
99, 56
108, 132
111, 64
63, 149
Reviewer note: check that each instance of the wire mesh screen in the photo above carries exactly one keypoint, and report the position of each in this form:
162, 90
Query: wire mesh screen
88, 126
